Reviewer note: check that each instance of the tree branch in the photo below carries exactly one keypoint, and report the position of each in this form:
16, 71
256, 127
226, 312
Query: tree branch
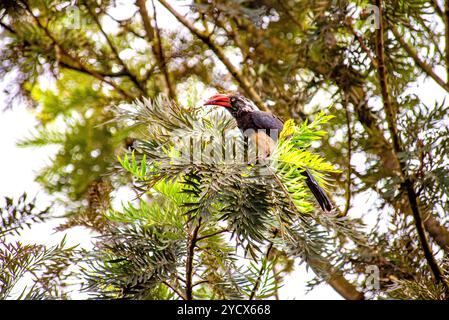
361, 43
162, 58
446, 38
193, 238
261, 271
102, 73
174, 290
421, 64
211, 235
5, 26
335, 279
114, 50
156, 45
323, 268
219, 52
437, 8
66, 65
348, 177
77, 61
407, 183
382, 72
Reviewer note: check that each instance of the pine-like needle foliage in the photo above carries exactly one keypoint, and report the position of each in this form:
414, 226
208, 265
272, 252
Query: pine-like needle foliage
46, 267
196, 202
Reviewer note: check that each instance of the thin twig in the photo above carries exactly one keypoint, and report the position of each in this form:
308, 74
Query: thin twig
156, 47
382, 72
211, 235
219, 52
77, 61
437, 8
435, 40
361, 43
200, 282
7, 27
261, 271
174, 290
102, 73
414, 55
162, 58
446, 36
115, 51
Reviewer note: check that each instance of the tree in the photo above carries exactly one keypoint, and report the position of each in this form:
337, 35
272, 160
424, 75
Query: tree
283, 55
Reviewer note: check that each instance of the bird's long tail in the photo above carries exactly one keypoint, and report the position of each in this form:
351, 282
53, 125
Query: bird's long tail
318, 192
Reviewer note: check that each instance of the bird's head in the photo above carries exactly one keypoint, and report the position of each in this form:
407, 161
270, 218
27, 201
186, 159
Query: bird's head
234, 103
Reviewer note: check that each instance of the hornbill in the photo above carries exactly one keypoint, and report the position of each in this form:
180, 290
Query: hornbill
251, 121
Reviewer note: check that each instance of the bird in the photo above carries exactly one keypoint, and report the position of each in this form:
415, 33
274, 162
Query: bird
255, 124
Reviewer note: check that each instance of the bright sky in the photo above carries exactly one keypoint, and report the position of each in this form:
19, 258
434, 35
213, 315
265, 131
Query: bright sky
18, 168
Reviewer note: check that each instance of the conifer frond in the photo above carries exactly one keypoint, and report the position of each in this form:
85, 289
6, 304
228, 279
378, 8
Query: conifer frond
250, 200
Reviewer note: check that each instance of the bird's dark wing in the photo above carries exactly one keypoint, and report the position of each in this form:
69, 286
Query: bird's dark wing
320, 195
267, 121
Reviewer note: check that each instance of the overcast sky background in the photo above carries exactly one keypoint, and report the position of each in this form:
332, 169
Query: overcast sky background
18, 167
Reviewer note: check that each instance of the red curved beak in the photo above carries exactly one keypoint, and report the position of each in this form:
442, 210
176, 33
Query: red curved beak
219, 100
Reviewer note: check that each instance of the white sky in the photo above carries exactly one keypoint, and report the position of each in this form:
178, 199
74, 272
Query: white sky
18, 168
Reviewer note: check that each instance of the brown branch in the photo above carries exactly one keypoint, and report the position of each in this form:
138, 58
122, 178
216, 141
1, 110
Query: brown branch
211, 235
261, 271
232, 33
102, 73
335, 279
323, 268
156, 45
407, 183
200, 282
66, 65
146, 20
5, 26
114, 50
353, 83
382, 72
414, 55
219, 52
384, 151
348, 177
174, 290
163, 58
435, 41
436, 231
412, 197
361, 43
437, 8
193, 238
446, 38
77, 61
